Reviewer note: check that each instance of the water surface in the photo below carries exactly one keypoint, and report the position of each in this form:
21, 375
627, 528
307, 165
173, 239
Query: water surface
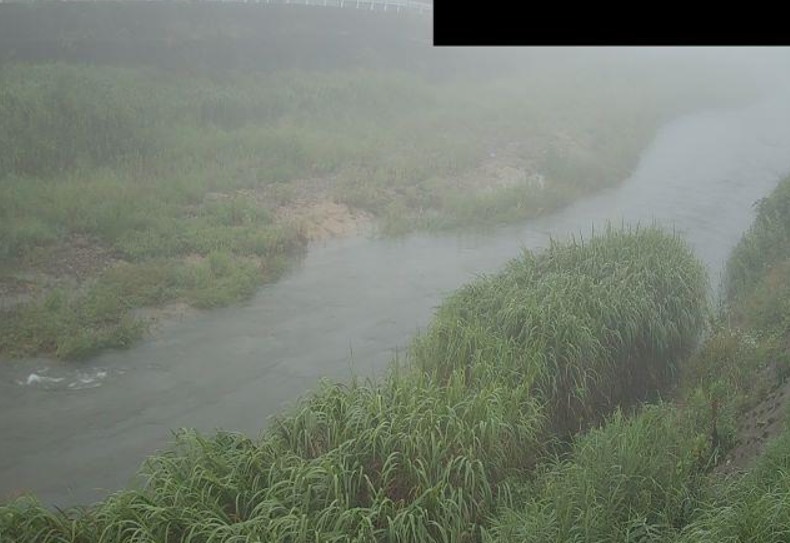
71, 433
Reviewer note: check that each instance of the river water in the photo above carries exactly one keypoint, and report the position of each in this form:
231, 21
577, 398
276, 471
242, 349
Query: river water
73, 433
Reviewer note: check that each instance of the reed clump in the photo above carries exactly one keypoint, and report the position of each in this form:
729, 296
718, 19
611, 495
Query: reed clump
589, 325
432, 451
664, 473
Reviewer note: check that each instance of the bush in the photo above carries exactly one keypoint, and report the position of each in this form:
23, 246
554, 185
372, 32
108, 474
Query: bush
588, 325
633, 479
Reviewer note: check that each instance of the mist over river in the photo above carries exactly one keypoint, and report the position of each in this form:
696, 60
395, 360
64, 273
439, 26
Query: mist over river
73, 432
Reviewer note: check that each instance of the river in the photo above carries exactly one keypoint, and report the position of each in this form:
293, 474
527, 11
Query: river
71, 433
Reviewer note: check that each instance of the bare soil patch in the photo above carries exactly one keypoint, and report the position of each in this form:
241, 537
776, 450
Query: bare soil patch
756, 428
514, 164
159, 319
67, 263
319, 221
308, 205
16, 289
77, 257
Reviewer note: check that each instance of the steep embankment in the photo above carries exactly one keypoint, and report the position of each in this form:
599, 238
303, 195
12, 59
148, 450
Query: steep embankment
710, 466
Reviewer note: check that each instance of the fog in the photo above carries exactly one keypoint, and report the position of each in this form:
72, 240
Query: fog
208, 208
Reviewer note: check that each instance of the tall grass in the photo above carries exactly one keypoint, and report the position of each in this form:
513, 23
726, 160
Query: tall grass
80, 141
75, 325
765, 245
108, 151
757, 287
434, 450
408, 461
55, 116
633, 479
157, 167
650, 477
755, 507
589, 325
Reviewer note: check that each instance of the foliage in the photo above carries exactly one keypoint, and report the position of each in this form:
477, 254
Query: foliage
79, 324
434, 451
633, 479
589, 325
765, 245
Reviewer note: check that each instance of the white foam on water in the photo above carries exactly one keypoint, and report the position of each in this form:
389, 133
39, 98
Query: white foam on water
86, 380
35, 378
75, 381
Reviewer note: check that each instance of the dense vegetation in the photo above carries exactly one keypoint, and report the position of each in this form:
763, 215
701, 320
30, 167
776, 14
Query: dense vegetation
582, 323
466, 439
151, 154
448, 438
656, 476
178, 181
558, 400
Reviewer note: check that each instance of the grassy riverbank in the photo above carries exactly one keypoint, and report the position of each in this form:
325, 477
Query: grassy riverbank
553, 401
709, 465
153, 155
123, 188
488, 395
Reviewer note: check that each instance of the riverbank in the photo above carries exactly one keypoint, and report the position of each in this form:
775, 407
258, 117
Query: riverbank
347, 310
126, 189
669, 458
394, 474
524, 459
710, 462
